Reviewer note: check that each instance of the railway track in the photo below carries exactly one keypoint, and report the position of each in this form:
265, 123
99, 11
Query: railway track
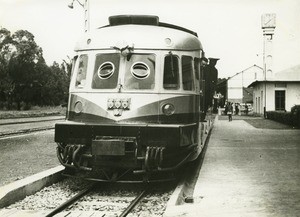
75, 197
13, 122
134, 203
25, 131
70, 201
86, 191
14, 127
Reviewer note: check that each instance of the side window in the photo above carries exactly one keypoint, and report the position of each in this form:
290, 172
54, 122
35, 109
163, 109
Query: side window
106, 71
81, 72
74, 60
187, 73
171, 73
140, 72
197, 69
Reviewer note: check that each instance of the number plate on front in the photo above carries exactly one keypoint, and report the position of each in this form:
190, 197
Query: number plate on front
111, 147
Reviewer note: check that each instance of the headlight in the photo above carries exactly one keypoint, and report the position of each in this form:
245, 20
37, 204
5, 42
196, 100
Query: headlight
168, 109
110, 103
118, 103
125, 104
78, 107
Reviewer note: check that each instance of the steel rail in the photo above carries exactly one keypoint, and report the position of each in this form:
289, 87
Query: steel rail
29, 122
70, 201
134, 203
5, 135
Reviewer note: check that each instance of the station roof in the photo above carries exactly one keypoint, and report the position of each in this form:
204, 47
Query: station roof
253, 84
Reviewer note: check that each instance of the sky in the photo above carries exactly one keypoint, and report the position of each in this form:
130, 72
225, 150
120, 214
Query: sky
228, 29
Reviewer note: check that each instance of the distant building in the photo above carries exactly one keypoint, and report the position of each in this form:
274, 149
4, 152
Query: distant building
241, 80
278, 94
235, 88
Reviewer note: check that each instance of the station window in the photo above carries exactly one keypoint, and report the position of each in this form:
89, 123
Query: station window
171, 73
280, 100
106, 71
140, 72
82, 70
187, 73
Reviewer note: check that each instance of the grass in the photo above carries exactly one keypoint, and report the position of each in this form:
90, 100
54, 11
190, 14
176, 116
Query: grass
267, 124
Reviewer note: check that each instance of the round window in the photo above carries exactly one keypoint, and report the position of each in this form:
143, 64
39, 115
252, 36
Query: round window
106, 70
140, 70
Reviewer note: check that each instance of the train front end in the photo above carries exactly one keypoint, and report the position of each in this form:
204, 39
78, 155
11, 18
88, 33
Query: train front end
134, 102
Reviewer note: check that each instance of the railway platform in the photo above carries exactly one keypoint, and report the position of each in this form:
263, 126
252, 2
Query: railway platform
246, 171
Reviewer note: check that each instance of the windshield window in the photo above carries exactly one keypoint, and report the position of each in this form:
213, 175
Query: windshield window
81, 73
140, 72
106, 71
187, 73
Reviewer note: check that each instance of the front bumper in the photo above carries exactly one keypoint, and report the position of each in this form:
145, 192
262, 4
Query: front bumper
141, 148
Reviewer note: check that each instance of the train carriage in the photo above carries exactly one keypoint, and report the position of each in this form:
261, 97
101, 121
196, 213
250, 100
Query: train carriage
134, 101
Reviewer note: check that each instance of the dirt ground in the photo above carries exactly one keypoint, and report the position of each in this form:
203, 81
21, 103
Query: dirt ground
26, 155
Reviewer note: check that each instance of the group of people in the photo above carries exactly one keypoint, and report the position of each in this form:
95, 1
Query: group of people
229, 109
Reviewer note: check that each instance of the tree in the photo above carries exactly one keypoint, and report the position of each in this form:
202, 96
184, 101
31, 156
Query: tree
55, 85
22, 64
68, 66
25, 76
6, 82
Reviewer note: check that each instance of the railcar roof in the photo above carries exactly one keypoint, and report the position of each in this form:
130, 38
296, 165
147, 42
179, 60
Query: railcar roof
141, 34
143, 20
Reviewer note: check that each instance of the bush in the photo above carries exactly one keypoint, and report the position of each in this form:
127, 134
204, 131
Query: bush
290, 118
295, 110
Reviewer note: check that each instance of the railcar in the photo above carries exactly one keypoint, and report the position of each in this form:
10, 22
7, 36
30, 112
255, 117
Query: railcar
134, 102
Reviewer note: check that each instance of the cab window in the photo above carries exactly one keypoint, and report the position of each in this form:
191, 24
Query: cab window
187, 73
106, 71
81, 72
171, 73
140, 72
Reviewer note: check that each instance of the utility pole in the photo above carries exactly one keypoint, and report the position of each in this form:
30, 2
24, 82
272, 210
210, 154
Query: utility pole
86, 6
268, 24
86, 15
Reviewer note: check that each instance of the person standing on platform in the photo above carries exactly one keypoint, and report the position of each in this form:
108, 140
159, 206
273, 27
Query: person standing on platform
229, 111
246, 109
236, 108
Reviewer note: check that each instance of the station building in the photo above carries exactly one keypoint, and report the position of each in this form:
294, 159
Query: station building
279, 93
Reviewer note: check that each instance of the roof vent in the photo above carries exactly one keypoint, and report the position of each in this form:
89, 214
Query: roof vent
133, 19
